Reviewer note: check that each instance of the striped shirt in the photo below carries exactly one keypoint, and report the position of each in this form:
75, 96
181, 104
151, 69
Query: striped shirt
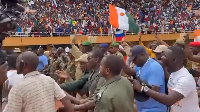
34, 93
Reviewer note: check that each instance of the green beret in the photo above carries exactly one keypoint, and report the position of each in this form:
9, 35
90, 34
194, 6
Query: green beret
114, 44
87, 43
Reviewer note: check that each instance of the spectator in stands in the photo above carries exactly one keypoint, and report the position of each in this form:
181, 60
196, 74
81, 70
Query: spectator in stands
92, 17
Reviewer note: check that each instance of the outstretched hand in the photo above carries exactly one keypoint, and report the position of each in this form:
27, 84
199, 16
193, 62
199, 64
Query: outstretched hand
136, 84
62, 74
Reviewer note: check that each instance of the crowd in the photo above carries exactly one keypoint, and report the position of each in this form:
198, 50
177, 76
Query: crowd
120, 77
92, 16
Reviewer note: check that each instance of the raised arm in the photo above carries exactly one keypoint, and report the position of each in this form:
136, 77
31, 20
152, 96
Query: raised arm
188, 52
160, 41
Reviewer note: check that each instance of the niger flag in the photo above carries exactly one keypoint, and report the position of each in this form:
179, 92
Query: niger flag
121, 19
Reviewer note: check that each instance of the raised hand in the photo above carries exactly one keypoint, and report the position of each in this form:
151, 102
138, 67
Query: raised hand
62, 74
186, 39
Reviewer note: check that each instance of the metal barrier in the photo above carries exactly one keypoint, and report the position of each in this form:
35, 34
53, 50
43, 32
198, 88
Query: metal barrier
62, 34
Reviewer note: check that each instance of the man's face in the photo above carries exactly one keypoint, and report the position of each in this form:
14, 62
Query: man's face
195, 50
159, 55
83, 66
83, 48
91, 61
103, 70
54, 54
39, 51
167, 58
113, 50
137, 60
153, 46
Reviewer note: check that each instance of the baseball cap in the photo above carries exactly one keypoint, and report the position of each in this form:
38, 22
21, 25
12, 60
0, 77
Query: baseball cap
136, 50
82, 58
180, 41
114, 44
104, 45
67, 50
194, 44
160, 48
87, 43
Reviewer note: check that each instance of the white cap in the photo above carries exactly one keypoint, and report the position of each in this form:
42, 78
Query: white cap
17, 50
83, 58
67, 50
160, 49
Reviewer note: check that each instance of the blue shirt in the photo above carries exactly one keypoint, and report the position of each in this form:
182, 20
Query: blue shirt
153, 74
43, 61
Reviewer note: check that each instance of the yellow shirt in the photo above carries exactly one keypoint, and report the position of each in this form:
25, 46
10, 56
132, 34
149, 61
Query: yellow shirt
149, 51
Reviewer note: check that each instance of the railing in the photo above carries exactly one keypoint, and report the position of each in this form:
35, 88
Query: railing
61, 34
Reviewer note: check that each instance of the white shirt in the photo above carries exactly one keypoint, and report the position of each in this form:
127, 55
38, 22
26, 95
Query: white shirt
183, 82
13, 77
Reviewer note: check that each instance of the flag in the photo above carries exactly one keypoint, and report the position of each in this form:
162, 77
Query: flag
54, 4
74, 23
121, 19
197, 35
119, 35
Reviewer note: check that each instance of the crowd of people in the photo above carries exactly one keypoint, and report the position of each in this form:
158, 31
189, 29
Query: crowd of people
91, 17
117, 77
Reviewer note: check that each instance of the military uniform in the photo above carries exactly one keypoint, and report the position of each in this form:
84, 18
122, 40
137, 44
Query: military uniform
63, 59
93, 82
114, 44
71, 69
75, 51
93, 85
119, 55
76, 85
116, 95
53, 66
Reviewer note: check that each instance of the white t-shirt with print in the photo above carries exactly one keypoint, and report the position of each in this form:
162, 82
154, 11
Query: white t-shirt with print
183, 82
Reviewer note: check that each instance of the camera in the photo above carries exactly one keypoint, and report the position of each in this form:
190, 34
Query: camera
9, 16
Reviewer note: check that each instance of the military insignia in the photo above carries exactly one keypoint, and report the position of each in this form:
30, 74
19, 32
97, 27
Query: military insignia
98, 96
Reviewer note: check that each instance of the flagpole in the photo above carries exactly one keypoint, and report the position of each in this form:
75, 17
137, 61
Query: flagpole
113, 40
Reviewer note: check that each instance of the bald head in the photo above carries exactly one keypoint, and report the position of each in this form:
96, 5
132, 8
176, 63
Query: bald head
30, 59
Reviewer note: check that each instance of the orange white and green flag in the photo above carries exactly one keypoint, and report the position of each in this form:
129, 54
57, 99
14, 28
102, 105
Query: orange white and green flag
121, 19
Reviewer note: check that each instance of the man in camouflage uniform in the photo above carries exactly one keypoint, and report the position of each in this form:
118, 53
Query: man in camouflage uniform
114, 49
85, 48
77, 85
53, 65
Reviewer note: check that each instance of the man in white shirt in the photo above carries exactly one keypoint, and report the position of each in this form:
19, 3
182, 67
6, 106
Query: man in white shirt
182, 95
12, 75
